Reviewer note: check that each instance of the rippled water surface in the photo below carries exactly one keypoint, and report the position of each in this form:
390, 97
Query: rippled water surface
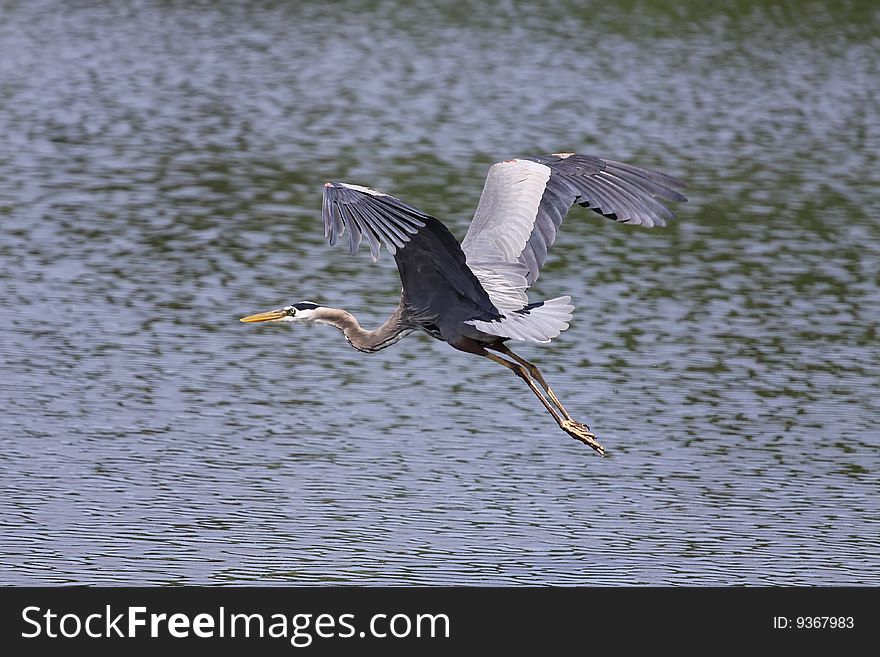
161, 168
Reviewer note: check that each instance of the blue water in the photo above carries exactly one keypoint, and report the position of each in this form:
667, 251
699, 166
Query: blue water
162, 168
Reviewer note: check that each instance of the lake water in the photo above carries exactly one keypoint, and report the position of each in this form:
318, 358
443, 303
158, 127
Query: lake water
161, 169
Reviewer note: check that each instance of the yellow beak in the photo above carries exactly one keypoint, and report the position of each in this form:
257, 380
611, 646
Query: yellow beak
270, 316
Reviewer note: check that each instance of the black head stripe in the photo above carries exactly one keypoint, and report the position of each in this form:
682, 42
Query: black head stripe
305, 305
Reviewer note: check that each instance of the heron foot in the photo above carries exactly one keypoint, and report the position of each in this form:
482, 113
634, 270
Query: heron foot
582, 432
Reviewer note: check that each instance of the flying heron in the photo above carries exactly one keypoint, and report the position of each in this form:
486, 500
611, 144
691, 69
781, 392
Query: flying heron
472, 295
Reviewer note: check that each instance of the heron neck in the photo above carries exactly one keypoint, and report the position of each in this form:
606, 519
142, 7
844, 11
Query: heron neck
357, 336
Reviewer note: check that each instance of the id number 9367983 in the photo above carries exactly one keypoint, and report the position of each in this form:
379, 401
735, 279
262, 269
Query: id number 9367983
814, 623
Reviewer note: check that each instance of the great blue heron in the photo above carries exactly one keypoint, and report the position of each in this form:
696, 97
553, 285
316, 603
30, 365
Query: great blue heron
473, 295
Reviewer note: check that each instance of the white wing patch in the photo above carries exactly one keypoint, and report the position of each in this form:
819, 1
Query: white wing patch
504, 282
513, 190
540, 324
358, 188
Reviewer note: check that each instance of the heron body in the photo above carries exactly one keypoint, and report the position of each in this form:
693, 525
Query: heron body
474, 294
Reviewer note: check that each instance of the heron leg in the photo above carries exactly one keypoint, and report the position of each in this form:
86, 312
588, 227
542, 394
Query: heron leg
537, 376
574, 429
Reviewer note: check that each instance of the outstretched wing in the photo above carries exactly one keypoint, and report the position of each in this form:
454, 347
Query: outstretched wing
436, 279
521, 209
524, 201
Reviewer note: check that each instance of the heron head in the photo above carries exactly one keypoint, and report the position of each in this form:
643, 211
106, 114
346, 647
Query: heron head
302, 311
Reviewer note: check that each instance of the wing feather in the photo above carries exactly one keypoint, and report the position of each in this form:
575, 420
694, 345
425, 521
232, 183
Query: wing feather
520, 212
525, 200
437, 281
